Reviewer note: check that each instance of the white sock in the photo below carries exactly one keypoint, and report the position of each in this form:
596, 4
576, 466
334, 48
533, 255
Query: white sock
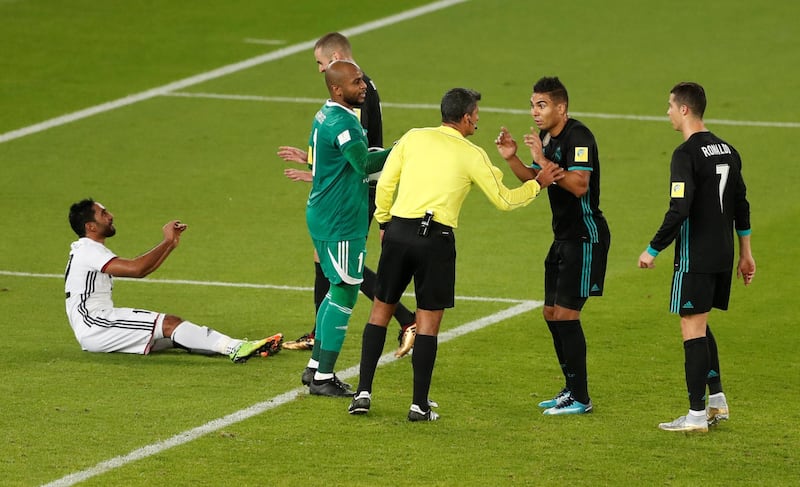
697, 414
321, 376
313, 364
195, 337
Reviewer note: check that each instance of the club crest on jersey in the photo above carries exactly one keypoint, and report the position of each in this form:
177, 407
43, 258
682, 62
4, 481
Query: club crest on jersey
581, 154
676, 190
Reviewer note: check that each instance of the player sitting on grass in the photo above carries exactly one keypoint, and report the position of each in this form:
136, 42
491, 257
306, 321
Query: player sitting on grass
100, 327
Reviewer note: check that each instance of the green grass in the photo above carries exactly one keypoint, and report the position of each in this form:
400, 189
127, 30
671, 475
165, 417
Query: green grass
211, 162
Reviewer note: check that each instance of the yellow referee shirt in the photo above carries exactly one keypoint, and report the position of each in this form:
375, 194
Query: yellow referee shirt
434, 168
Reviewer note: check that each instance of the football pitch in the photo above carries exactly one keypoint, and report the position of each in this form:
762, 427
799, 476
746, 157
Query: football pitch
164, 110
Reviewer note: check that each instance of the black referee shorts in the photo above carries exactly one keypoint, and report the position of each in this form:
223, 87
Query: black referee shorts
430, 261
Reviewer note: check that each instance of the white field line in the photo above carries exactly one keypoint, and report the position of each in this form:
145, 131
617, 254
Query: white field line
266, 42
512, 111
241, 285
279, 400
219, 72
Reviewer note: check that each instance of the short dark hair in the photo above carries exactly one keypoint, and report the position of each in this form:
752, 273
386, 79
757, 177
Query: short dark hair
553, 87
458, 102
692, 95
334, 41
80, 214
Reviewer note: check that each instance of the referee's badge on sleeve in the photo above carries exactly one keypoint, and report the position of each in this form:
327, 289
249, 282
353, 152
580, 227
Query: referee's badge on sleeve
676, 190
581, 154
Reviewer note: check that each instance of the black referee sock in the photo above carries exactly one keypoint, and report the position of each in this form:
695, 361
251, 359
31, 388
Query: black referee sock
422, 361
696, 368
371, 349
573, 345
714, 378
553, 326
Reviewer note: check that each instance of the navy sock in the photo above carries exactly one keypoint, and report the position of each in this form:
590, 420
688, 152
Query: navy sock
321, 285
696, 369
573, 346
714, 378
553, 327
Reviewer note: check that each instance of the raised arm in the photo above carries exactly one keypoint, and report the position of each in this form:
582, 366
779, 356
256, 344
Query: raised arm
574, 181
507, 148
150, 261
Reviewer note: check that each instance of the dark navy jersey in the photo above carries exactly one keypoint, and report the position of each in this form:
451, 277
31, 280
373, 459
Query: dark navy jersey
575, 149
370, 115
707, 202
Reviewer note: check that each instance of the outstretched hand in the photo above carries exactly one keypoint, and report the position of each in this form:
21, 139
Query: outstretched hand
298, 175
293, 154
534, 143
506, 145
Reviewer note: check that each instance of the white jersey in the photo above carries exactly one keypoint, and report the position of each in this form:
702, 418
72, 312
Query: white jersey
97, 324
85, 283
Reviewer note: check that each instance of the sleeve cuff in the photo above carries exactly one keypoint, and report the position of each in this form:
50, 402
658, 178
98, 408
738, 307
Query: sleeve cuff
652, 251
743, 233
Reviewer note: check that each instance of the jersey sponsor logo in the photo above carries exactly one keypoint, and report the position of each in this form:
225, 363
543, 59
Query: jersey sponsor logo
715, 150
581, 154
677, 189
343, 138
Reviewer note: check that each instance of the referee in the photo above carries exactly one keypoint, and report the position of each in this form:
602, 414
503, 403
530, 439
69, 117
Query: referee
707, 203
419, 196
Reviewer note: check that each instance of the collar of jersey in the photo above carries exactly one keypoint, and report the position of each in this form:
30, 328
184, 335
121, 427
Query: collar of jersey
331, 103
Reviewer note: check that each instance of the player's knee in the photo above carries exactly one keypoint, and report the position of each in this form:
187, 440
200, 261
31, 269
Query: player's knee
344, 295
170, 323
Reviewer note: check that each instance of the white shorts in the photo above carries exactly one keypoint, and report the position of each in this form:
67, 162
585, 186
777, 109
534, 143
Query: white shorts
125, 330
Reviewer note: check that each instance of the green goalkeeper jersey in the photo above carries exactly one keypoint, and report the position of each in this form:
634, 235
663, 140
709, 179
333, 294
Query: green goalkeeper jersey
337, 206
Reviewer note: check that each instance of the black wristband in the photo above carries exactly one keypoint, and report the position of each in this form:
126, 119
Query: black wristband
382, 226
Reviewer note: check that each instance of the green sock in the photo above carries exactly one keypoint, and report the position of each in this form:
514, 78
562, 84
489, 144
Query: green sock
332, 319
